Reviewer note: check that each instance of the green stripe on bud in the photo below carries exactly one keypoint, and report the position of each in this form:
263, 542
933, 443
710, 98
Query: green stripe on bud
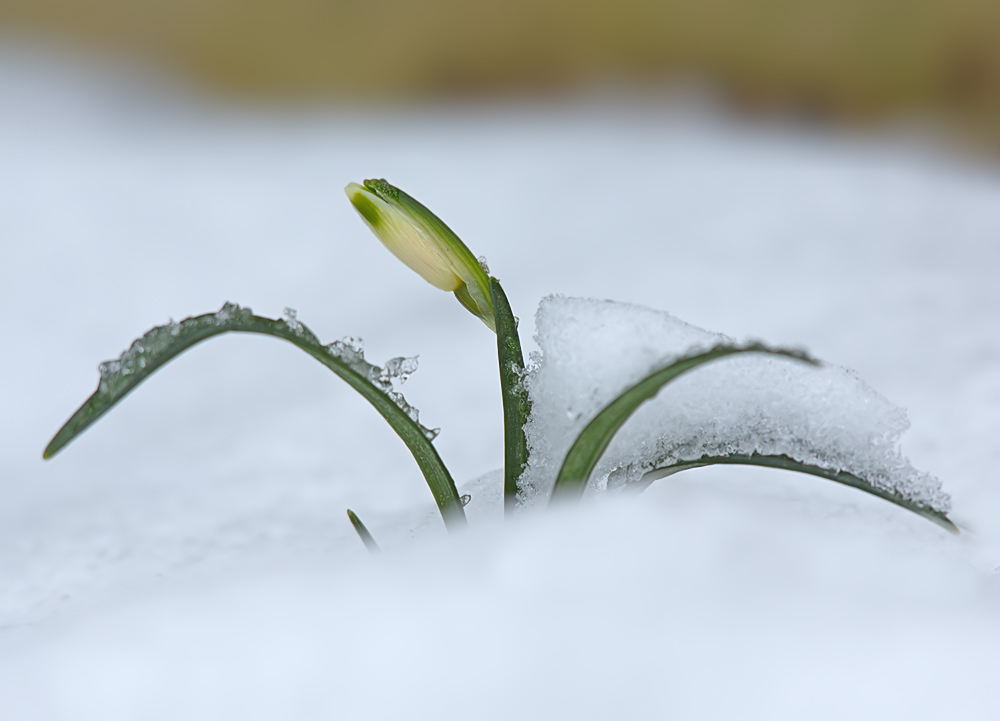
424, 243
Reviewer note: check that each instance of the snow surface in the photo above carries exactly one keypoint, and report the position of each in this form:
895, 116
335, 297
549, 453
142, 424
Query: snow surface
190, 557
593, 350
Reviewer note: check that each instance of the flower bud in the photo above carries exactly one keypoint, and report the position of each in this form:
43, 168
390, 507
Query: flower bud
424, 243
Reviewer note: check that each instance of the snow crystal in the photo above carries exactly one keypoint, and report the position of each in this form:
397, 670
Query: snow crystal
409, 410
116, 375
592, 350
290, 318
351, 351
231, 312
401, 368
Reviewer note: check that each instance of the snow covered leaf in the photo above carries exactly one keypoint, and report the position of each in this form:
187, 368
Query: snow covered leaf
345, 358
590, 445
596, 354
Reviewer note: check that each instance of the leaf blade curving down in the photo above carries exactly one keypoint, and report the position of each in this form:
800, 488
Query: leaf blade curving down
164, 343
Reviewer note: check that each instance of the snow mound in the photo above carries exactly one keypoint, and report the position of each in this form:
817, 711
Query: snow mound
592, 350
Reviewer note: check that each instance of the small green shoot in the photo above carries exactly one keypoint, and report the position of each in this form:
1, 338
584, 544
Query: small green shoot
366, 536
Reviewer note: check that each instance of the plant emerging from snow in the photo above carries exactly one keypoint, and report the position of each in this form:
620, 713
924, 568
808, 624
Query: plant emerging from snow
562, 417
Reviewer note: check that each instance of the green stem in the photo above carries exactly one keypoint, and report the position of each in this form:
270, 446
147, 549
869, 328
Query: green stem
516, 405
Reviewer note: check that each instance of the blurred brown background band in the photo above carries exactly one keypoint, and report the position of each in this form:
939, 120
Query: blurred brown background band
837, 58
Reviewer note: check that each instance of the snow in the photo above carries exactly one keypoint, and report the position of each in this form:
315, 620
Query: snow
189, 556
593, 350
749, 629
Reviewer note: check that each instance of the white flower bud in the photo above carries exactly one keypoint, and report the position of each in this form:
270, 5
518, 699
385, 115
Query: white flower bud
424, 243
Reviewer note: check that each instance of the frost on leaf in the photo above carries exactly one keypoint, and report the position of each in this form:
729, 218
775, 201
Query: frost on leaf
290, 317
401, 368
160, 344
351, 351
229, 312
592, 350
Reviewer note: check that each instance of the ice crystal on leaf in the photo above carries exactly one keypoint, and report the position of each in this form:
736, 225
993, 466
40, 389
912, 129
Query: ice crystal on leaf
162, 343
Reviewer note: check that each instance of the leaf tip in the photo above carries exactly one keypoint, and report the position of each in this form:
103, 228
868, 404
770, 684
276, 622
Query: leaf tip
51, 449
947, 524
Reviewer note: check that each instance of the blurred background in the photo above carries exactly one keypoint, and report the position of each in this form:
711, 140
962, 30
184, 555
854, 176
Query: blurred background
846, 60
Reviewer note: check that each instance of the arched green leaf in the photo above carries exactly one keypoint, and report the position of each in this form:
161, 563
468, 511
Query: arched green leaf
164, 343
790, 464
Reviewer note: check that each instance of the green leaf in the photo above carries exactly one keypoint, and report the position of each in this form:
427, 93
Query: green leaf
590, 445
366, 536
164, 343
790, 464
516, 405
